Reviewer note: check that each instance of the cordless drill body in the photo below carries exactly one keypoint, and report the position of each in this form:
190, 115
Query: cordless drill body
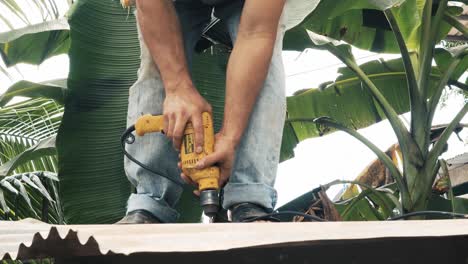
207, 179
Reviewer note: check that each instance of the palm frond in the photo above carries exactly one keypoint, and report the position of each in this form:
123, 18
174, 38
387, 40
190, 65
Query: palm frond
27, 193
30, 195
22, 13
32, 120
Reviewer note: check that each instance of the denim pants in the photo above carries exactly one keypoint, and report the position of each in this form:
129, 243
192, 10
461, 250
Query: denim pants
257, 156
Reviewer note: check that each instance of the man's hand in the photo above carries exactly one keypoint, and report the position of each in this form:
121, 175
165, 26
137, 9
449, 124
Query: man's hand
223, 156
182, 106
161, 31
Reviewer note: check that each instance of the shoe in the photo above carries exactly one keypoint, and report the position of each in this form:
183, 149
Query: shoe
138, 217
246, 212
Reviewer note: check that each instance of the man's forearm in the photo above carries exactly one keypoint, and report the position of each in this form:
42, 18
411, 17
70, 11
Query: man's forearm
164, 42
249, 63
247, 71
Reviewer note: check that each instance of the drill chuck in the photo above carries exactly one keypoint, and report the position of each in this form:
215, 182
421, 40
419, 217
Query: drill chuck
209, 200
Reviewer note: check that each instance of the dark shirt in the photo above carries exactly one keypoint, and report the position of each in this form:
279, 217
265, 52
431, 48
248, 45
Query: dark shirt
208, 2
214, 2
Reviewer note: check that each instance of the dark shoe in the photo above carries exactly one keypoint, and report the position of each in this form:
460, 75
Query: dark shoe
249, 212
138, 217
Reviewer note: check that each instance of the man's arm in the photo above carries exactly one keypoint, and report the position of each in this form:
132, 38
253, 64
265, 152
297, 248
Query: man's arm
247, 70
249, 63
161, 31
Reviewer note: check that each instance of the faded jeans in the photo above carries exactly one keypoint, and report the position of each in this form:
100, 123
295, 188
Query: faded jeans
257, 156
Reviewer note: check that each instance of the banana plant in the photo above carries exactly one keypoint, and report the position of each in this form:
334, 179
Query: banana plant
420, 156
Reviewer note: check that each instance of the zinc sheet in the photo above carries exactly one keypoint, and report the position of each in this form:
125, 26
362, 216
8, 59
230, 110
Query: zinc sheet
32, 239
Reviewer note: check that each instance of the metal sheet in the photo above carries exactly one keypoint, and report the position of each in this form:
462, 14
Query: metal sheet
32, 239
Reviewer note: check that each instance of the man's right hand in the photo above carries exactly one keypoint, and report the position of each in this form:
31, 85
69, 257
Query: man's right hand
184, 105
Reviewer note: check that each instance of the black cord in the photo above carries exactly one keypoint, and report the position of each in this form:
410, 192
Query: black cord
128, 138
293, 213
419, 213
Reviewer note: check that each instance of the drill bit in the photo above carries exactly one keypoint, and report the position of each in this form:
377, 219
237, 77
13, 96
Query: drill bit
209, 200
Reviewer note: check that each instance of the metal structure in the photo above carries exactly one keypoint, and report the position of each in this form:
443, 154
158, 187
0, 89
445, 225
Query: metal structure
444, 241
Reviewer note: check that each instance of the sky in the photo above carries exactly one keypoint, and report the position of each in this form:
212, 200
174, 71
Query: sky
318, 160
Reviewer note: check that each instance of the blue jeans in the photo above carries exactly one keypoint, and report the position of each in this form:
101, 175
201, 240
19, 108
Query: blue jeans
257, 157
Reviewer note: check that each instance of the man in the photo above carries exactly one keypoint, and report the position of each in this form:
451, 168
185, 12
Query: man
247, 147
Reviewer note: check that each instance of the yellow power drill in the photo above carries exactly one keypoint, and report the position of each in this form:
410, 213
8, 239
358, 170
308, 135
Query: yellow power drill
207, 179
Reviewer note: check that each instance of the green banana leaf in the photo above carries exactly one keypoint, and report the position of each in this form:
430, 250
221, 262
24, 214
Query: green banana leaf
103, 64
347, 101
104, 61
36, 43
363, 24
55, 89
444, 57
366, 205
362, 210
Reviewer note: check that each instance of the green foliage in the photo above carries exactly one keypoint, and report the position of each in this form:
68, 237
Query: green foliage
31, 120
347, 100
28, 128
43, 148
36, 43
444, 57
55, 90
88, 142
30, 195
420, 163
27, 139
363, 24
46, 8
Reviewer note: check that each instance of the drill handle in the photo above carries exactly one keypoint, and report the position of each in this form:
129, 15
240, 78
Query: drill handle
149, 124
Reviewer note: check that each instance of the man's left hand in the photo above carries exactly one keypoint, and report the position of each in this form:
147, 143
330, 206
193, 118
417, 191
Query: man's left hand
223, 157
